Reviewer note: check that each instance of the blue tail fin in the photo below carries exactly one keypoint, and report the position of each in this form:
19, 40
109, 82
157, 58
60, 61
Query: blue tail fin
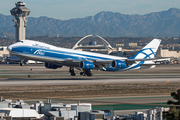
149, 51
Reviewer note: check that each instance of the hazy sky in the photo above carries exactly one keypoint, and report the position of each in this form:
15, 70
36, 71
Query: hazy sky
68, 9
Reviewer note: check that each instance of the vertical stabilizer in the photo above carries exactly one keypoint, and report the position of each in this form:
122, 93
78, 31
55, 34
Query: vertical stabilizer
149, 51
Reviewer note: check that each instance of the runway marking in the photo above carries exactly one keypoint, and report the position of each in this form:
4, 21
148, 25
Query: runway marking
38, 84
167, 81
105, 82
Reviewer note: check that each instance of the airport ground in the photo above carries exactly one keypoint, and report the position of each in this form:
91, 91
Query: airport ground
136, 87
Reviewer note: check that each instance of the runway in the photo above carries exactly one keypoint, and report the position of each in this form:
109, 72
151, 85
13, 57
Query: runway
14, 75
83, 81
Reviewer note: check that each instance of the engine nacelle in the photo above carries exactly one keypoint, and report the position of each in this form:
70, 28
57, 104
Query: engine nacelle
52, 66
118, 64
86, 65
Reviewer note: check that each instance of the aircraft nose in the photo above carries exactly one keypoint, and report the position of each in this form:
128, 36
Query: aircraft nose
9, 48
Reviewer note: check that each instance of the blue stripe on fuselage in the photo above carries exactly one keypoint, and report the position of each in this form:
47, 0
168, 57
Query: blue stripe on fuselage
55, 54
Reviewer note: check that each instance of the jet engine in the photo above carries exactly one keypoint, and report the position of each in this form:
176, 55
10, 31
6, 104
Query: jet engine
118, 64
52, 66
86, 65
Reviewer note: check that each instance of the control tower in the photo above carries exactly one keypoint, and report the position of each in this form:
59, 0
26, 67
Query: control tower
20, 12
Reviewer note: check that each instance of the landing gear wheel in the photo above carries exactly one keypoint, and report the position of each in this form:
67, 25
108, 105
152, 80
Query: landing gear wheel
87, 72
71, 70
73, 74
81, 73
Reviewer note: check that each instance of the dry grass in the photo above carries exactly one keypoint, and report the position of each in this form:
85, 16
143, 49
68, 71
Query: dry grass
77, 91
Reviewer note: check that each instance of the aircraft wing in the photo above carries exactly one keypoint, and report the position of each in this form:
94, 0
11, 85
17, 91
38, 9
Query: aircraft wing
133, 60
153, 60
128, 61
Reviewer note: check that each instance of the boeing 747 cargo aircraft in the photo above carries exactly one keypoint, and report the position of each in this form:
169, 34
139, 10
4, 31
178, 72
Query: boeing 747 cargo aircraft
56, 57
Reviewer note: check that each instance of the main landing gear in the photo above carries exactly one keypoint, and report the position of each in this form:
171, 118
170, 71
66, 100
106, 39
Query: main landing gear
71, 70
84, 73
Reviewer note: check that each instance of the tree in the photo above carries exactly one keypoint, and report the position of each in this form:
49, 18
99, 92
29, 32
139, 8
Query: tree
174, 111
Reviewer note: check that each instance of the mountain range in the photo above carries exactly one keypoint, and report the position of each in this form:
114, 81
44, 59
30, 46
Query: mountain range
156, 24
